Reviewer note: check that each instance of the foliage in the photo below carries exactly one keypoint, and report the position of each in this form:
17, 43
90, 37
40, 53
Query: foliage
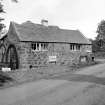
2, 11
1, 19
101, 31
98, 45
95, 46
101, 28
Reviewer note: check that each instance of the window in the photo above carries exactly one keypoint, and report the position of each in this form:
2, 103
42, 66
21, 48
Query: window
78, 47
33, 46
39, 46
75, 47
71, 46
44, 46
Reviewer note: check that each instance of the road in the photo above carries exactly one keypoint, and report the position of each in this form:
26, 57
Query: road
85, 87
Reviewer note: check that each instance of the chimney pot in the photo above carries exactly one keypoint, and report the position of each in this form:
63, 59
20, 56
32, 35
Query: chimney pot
44, 22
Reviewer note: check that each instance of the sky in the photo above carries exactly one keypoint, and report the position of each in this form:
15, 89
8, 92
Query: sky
84, 15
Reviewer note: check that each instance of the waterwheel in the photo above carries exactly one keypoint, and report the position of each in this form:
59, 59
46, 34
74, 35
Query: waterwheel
11, 57
2, 53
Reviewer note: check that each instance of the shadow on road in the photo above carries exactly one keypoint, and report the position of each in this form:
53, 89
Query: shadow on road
81, 78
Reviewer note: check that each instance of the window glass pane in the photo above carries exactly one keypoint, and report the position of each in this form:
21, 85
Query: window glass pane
33, 46
45, 45
70, 46
73, 47
37, 46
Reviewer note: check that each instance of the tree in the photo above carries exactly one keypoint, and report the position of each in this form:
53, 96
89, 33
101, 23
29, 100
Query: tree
98, 45
1, 19
101, 30
2, 11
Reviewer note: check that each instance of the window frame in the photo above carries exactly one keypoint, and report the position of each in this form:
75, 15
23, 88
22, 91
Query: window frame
75, 47
39, 46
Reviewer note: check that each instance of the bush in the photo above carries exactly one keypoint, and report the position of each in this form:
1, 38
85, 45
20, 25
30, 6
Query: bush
99, 55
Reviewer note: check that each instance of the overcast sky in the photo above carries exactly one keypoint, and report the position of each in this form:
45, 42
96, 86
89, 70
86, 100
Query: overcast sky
83, 15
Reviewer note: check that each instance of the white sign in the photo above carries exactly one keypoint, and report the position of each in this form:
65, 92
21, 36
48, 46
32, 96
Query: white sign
88, 51
52, 58
6, 69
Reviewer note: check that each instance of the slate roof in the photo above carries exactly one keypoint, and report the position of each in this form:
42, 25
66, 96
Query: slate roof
29, 31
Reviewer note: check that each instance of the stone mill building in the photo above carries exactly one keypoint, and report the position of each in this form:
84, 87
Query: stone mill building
30, 45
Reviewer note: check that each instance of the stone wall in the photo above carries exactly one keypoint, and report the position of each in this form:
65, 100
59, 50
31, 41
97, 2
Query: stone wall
22, 50
65, 55
32, 59
29, 58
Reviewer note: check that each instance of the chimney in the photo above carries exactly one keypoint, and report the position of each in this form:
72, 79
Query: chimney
44, 22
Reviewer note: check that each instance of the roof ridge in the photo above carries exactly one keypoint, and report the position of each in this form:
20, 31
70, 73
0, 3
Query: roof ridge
67, 29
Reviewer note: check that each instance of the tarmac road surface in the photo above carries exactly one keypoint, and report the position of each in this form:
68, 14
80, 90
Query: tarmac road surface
85, 87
